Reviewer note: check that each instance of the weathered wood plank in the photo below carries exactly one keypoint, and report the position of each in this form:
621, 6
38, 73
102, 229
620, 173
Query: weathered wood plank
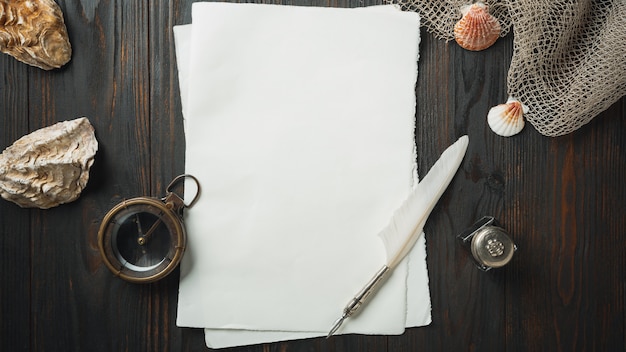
567, 290
77, 303
15, 234
167, 152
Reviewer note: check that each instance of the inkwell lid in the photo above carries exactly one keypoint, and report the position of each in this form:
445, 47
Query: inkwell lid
492, 247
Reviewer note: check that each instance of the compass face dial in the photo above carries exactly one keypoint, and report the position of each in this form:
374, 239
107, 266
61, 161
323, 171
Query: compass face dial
141, 240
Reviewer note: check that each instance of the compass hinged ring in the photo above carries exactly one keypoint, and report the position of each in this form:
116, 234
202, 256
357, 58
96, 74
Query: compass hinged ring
177, 180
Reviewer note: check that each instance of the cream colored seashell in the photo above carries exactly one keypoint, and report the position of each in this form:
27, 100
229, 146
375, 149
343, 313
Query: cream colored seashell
507, 119
33, 31
50, 166
477, 29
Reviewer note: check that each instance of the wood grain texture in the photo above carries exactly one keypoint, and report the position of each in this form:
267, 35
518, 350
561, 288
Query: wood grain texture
568, 290
563, 201
15, 234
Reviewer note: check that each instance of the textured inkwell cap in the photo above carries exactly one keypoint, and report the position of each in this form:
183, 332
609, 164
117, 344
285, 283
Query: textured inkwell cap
492, 247
489, 244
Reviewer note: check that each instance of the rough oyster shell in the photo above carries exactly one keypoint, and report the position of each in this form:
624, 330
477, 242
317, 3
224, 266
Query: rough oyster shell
477, 29
507, 119
33, 31
50, 166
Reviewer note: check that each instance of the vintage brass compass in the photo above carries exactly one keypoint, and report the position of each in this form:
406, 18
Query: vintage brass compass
142, 239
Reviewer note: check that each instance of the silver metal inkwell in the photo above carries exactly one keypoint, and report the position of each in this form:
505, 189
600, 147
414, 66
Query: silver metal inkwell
489, 244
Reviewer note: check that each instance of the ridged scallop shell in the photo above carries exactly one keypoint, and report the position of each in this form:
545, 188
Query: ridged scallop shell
33, 31
50, 166
507, 119
477, 29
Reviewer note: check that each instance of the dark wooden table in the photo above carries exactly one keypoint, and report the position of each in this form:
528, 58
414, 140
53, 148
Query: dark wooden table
563, 200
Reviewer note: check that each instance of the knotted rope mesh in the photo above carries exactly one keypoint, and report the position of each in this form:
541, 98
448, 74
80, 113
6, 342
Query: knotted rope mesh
569, 56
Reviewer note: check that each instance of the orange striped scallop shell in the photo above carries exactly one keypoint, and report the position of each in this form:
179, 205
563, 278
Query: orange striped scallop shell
477, 29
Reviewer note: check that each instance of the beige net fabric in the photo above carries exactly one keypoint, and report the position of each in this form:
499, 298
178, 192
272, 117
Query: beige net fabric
569, 56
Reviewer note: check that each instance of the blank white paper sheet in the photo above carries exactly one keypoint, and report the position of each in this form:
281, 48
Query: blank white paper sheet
299, 125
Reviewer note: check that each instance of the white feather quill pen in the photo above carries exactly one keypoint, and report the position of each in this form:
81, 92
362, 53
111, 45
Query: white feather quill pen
407, 222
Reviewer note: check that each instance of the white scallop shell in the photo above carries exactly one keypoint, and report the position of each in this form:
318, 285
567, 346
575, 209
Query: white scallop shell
50, 166
507, 119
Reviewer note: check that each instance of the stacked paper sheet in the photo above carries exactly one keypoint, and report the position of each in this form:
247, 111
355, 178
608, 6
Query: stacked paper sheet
300, 127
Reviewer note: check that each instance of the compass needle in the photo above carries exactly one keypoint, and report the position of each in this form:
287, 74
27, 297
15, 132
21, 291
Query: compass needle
138, 222
152, 229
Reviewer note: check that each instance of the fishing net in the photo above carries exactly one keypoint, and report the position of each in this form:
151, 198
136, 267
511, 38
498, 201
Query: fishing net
569, 56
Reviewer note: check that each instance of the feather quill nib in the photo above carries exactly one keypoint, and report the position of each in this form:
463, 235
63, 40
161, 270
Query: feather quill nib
407, 222
360, 298
337, 325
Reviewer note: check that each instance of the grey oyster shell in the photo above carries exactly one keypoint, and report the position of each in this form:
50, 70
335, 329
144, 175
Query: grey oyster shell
50, 166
